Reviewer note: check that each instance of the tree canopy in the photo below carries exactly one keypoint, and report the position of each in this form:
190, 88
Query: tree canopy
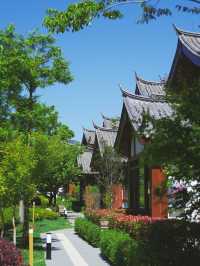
79, 15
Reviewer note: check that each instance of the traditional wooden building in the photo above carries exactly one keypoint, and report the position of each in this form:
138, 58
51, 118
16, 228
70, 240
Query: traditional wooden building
84, 161
142, 181
149, 97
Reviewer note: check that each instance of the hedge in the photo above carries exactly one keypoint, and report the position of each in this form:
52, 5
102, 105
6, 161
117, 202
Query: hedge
119, 248
88, 231
170, 242
41, 213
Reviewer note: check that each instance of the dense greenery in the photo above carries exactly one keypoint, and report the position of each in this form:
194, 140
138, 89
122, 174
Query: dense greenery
35, 150
118, 247
88, 230
145, 241
79, 15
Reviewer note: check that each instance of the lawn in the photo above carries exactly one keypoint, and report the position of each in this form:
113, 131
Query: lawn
41, 226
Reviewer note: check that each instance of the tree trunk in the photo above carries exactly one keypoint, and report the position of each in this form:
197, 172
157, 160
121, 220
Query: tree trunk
14, 232
54, 198
25, 224
21, 211
51, 199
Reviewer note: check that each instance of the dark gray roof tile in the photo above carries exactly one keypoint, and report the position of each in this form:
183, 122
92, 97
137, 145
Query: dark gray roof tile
137, 105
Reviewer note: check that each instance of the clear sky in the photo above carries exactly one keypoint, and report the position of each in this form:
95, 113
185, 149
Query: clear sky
102, 56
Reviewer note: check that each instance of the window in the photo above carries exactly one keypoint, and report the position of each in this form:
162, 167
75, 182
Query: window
138, 147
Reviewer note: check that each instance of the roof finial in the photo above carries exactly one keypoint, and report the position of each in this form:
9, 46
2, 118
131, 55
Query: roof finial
178, 30
94, 125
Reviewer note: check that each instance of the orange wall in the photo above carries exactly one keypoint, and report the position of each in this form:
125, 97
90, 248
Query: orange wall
159, 204
118, 193
71, 189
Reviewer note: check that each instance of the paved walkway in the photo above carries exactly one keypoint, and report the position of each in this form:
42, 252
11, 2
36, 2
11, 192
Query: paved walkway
68, 249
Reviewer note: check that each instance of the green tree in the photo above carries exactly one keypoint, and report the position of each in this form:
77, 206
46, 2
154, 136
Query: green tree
56, 162
175, 142
110, 167
26, 64
16, 179
79, 15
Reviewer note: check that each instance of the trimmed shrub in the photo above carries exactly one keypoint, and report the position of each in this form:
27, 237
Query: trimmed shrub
41, 213
170, 242
9, 254
88, 231
118, 247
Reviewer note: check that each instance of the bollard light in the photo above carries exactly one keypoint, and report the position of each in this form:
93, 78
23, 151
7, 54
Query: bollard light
31, 247
48, 246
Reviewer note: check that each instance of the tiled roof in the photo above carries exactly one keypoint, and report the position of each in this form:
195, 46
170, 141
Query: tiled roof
89, 136
84, 161
105, 137
190, 40
109, 122
137, 105
188, 46
149, 88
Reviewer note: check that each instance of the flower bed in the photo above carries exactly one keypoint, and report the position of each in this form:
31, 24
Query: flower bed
117, 219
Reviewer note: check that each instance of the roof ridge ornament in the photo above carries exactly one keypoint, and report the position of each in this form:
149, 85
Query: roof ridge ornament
138, 78
154, 97
104, 128
110, 118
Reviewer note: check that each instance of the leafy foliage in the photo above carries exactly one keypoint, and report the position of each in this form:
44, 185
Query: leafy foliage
109, 165
118, 247
179, 134
88, 231
79, 15
42, 213
169, 242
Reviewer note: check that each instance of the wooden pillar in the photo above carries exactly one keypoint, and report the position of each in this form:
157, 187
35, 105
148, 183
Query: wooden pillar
159, 200
117, 191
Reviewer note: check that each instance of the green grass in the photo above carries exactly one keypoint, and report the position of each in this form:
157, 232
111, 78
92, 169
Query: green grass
42, 226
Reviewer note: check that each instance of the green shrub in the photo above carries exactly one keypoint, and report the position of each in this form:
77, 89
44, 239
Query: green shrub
44, 201
8, 216
66, 201
41, 213
118, 247
88, 231
170, 242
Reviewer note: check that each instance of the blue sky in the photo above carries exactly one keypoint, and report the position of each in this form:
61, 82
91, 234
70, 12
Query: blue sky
102, 56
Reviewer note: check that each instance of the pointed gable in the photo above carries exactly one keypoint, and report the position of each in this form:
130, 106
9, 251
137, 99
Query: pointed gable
109, 122
105, 137
84, 160
88, 137
148, 88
